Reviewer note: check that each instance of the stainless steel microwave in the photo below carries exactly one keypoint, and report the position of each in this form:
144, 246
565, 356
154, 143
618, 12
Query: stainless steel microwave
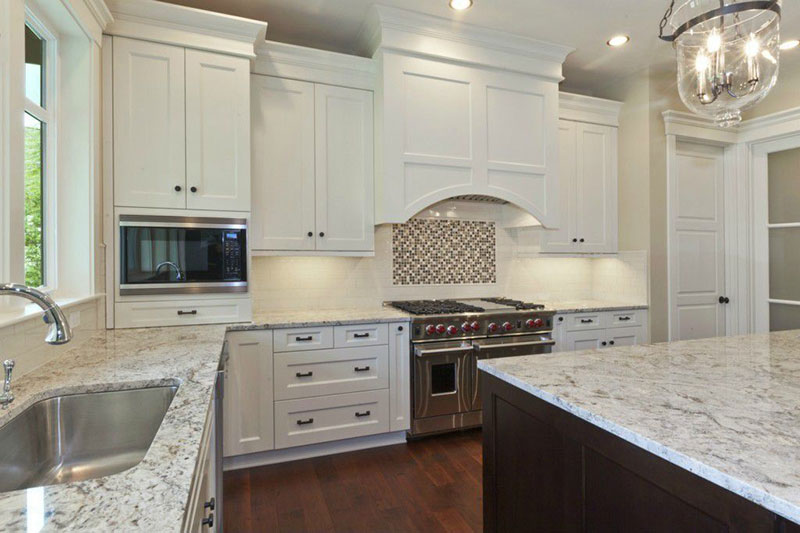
182, 255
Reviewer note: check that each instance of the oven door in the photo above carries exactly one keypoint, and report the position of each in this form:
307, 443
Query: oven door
495, 347
442, 373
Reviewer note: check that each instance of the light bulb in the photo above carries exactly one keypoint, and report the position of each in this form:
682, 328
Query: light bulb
752, 47
460, 5
714, 41
702, 63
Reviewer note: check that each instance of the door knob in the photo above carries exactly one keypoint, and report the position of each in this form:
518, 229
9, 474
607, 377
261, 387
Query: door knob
724, 300
193, 189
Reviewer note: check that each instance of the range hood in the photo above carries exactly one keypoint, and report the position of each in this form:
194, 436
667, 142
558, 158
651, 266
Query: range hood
462, 112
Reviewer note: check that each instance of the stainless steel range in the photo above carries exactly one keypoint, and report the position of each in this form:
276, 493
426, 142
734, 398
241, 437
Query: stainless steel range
448, 337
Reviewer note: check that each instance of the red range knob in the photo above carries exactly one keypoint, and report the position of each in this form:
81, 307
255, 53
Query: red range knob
430, 329
475, 326
507, 326
466, 327
440, 328
492, 327
530, 323
452, 330
538, 323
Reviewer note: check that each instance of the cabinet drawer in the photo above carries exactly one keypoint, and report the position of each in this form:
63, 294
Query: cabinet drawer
583, 321
342, 416
625, 318
325, 372
360, 335
151, 314
298, 339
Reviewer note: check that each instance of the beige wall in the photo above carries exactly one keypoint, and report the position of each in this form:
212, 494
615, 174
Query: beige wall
785, 95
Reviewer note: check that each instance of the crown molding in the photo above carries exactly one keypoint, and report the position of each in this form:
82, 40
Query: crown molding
99, 10
185, 26
389, 28
588, 109
309, 64
774, 125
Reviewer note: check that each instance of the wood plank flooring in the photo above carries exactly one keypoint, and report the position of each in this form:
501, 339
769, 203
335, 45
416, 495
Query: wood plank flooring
430, 485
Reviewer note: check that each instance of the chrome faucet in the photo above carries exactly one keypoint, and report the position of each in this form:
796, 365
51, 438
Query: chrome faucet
176, 268
59, 332
7, 396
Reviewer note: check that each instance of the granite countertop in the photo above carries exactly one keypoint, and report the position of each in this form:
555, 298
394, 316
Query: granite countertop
297, 318
589, 306
151, 496
726, 409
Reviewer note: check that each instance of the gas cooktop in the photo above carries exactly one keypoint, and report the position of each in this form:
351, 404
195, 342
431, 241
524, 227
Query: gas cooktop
472, 305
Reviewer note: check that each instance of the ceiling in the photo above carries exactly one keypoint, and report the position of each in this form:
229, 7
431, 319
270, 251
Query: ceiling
585, 25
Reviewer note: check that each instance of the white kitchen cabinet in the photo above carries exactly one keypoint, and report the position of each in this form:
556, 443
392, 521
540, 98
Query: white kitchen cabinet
198, 517
599, 329
399, 376
344, 169
588, 190
181, 128
217, 132
149, 124
312, 167
249, 393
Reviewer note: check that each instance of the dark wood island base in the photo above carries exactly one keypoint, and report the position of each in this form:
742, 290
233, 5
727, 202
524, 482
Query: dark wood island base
548, 470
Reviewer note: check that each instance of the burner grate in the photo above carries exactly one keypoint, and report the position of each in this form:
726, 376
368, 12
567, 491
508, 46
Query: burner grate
435, 307
519, 305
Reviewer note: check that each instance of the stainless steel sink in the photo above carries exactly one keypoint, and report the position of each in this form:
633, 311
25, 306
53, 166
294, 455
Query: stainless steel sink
80, 436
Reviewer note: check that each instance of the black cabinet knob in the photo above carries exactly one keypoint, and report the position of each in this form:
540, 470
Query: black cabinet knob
210, 504
611, 343
561, 319
310, 233
399, 328
604, 343
724, 300
321, 233
208, 521
178, 188
574, 240
193, 189
581, 240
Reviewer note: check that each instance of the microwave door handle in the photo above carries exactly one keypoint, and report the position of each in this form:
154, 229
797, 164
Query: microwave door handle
479, 346
420, 352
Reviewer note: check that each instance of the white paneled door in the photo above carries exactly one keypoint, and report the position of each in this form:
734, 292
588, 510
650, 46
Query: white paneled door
149, 125
217, 132
283, 164
696, 242
344, 168
560, 240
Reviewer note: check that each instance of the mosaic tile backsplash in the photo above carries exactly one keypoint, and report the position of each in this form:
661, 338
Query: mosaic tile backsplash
443, 252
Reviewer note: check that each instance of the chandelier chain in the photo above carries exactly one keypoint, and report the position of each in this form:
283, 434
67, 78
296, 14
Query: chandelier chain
665, 19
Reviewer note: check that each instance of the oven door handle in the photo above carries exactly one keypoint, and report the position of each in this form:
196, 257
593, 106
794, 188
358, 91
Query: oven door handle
480, 347
420, 352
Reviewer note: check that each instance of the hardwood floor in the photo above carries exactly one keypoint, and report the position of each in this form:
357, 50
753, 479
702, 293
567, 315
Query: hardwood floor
428, 485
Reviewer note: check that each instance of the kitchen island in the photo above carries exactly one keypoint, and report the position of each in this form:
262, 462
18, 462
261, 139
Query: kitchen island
697, 435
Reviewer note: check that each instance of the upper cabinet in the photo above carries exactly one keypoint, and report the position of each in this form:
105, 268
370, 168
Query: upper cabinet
312, 149
463, 111
181, 127
587, 178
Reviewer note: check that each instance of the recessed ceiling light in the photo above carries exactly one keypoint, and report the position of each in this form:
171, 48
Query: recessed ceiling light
460, 5
618, 40
788, 45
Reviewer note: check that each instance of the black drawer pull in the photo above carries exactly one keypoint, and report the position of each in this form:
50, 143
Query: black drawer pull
304, 422
304, 374
365, 413
361, 369
304, 339
604, 343
586, 320
208, 521
360, 335
624, 318
192, 312
611, 343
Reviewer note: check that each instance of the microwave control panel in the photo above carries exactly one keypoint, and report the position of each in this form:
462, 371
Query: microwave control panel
232, 245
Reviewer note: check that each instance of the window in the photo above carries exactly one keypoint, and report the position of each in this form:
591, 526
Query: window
38, 127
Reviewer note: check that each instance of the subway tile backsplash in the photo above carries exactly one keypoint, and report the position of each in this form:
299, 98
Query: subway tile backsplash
444, 252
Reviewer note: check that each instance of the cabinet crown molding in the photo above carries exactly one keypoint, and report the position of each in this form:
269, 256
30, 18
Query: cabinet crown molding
185, 26
389, 28
588, 109
321, 66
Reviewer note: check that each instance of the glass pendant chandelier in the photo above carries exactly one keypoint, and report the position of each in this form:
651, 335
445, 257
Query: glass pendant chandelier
727, 52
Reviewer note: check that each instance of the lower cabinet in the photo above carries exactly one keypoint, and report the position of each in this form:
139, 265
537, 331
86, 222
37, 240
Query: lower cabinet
200, 514
298, 386
597, 330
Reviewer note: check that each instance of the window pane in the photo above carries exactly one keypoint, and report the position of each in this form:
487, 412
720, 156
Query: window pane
784, 262
34, 202
34, 67
782, 317
784, 186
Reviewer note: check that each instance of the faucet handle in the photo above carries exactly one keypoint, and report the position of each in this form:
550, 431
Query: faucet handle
7, 396
8, 365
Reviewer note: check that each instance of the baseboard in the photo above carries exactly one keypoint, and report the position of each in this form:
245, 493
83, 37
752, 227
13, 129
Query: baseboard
313, 450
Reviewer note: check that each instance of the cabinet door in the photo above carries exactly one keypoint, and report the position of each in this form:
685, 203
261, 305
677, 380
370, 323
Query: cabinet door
399, 377
283, 164
217, 132
560, 240
625, 336
149, 124
344, 169
596, 188
584, 340
248, 401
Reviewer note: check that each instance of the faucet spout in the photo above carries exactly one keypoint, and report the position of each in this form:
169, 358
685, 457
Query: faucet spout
60, 332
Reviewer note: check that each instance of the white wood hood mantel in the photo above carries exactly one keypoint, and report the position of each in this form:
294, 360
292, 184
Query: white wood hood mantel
462, 110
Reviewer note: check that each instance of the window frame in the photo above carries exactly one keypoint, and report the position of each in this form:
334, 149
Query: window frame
48, 116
